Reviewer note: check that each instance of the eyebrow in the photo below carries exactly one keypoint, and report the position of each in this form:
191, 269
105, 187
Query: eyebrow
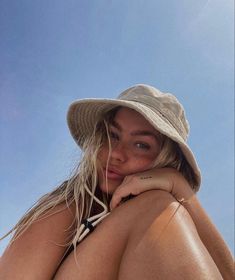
137, 132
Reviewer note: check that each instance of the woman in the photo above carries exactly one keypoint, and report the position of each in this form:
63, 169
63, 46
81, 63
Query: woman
134, 147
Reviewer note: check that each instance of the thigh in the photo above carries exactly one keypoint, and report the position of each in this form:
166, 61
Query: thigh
100, 254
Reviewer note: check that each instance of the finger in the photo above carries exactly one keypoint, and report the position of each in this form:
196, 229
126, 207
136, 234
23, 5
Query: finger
114, 201
118, 195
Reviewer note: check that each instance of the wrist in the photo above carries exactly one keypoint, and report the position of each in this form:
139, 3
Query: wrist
181, 188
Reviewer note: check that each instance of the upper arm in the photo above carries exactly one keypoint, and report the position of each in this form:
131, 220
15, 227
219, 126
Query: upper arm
37, 253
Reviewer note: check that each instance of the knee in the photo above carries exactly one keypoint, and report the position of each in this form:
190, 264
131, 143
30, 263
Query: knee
159, 196
158, 211
141, 210
164, 209
170, 221
153, 201
145, 203
151, 208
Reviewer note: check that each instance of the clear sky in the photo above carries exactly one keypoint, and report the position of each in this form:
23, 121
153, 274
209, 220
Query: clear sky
53, 52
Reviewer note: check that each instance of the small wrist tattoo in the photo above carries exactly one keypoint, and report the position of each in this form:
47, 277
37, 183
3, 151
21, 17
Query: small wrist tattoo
146, 177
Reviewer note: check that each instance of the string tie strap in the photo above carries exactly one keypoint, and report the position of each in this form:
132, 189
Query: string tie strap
88, 225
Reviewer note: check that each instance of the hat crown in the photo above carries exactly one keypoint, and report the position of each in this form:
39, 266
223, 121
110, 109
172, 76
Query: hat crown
161, 103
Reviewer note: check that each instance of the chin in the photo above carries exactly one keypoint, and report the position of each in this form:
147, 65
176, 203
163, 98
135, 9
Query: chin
110, 189
105, 190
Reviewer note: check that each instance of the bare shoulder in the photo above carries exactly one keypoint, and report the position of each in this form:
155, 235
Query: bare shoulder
37, 253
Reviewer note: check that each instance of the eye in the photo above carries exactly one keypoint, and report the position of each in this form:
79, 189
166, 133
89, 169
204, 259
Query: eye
143, 146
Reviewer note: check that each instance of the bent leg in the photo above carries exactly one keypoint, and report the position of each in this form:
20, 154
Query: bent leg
100, 254
169, 248
140, 239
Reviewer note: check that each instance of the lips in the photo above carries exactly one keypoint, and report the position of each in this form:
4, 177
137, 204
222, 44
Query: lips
113, 174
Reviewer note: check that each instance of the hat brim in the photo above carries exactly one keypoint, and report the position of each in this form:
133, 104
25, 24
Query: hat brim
83, 115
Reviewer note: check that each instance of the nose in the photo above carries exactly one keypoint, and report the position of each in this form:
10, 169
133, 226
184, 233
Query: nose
118, 153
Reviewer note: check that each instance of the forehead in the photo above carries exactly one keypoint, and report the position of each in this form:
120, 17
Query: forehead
131, 119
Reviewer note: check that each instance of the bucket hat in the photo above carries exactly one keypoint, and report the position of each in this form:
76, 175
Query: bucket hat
162, 110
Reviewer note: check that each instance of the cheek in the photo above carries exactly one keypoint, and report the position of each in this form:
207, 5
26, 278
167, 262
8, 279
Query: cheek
102, 154
142, 163
151, 159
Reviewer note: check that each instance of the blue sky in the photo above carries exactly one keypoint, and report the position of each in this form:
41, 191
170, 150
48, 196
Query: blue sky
53, 52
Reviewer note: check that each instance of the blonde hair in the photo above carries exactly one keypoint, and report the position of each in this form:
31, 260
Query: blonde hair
80, 188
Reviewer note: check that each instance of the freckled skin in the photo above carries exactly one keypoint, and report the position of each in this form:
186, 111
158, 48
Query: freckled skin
131, 153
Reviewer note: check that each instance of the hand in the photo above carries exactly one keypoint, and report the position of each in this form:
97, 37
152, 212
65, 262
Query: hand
166, 179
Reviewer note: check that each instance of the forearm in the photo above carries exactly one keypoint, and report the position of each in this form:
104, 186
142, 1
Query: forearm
211, 238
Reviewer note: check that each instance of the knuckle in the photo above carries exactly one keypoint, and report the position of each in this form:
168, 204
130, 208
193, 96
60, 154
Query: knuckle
134, 178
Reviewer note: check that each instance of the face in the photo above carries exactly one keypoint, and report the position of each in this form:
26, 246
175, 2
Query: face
135, 146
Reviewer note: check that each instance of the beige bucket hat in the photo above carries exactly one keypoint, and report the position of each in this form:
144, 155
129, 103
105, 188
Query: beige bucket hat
162, 110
